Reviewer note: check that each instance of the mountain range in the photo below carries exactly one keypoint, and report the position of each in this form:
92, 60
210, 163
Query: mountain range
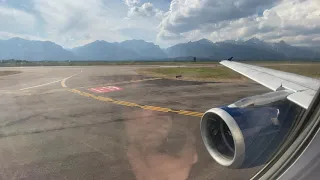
126, 50
21, 49
252, 49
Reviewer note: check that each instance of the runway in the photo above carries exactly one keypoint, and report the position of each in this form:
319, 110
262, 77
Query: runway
108, 122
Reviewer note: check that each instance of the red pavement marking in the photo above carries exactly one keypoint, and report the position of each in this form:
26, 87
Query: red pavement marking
105, 89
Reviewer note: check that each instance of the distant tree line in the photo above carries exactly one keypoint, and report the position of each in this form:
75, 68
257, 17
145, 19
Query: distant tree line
13, 61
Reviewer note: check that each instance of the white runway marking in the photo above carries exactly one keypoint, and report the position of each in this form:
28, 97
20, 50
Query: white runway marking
39, 85
62, 82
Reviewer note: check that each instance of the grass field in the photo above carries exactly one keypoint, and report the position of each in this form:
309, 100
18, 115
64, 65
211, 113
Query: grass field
6, 73
194, 73
98, 63
310, 70
20, 63
220, 73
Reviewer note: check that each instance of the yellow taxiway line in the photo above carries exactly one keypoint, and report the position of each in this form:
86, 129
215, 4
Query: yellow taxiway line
131, 104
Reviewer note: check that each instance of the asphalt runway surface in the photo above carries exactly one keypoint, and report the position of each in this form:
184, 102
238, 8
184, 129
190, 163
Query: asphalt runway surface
108, 122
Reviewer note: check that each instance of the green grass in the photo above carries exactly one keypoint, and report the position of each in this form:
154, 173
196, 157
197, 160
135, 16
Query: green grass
6, 73
220, 73
194, 73
201, 72
98, 63
18, 63
310, 70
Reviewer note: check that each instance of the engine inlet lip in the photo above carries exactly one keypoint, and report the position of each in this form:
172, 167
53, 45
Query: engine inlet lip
239, 144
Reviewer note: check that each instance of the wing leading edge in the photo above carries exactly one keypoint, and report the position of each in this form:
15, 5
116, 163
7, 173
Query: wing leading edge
304, 88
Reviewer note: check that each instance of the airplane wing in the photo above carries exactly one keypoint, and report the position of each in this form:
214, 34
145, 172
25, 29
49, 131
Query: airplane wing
303, 88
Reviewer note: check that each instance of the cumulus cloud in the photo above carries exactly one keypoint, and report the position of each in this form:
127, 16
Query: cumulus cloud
145, 10
186, 15
295, 21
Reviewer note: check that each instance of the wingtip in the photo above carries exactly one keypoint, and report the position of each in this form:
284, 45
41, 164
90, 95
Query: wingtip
230, 59
223, 61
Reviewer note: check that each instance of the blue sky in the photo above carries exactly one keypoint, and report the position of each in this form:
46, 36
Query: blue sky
73, 23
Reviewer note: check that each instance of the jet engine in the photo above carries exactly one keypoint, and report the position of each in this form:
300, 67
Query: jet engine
245, 133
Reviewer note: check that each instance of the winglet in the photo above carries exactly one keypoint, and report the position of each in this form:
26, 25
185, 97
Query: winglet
230, 59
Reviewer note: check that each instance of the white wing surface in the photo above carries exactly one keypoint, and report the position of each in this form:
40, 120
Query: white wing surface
304, 88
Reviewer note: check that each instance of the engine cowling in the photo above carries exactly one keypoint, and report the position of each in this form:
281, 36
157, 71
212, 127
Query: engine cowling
246, 137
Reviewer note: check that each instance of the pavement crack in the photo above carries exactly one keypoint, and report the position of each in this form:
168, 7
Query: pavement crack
61, 128
20, 120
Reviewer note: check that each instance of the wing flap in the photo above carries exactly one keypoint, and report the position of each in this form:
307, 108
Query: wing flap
303, 98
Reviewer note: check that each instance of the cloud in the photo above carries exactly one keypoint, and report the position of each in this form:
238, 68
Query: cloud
139, 33
167, 35
8, 35
186, 15
131, 3
73, 23
76, 22
145, 10
12, 20
295, 21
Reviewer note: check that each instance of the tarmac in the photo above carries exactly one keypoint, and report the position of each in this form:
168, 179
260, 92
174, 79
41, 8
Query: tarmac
108, 122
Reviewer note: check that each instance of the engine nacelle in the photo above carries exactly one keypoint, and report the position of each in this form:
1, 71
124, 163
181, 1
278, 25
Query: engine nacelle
246, 137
